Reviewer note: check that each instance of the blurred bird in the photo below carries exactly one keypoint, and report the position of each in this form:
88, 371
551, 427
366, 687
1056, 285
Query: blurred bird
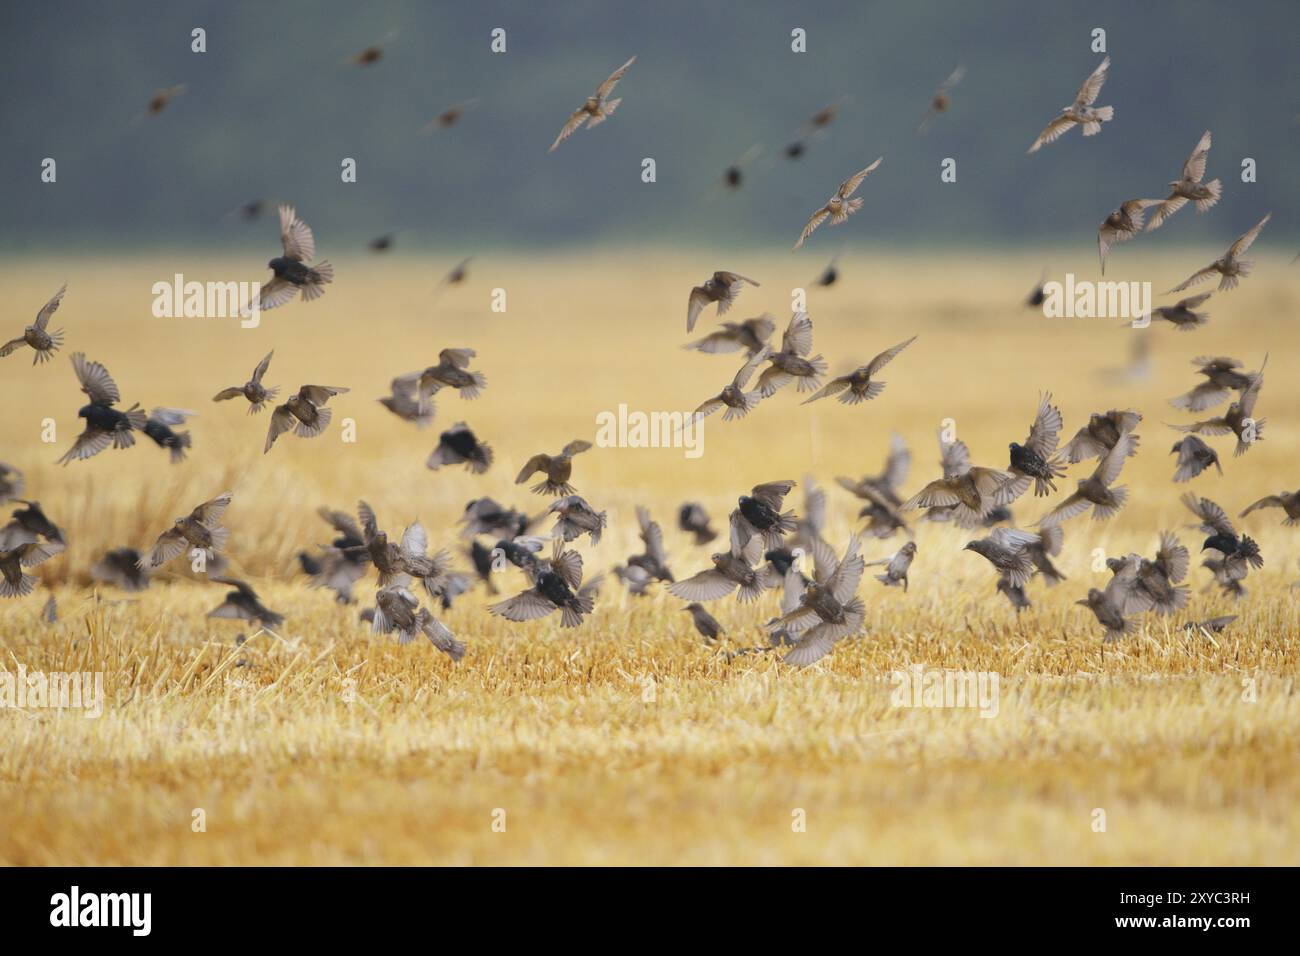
11, 483
14, 581
1288, 501
1095, 491
653, 560
1194, 456
597, 108
751, 335
733, 177
1156, 584
450, 116
29, 523
883, 492
160, 98
792, 363
1101, 434
105, 425
382, 243
759, 514
859, 386
161, 428
405, 403
896, 566
731, 569
733, 397
1213, 625
830, 275
397, 609
43, 342
557, 587
122, 568
941, 100
1038, 295
1121, 226
243, 604
1080, 112
722, 288
556, 468
1015, 593
451, 371
1240, 553
705, 623
486, 516
1036, 460
1007, 549
256, 394
1050, 541
1222, 379
341, 565
304, 412
1189, 186
829, 610
458, 274
1230, 266
1107, 605
840, 206
971, 492
576, 517
200, 530
458, 445
635, 579
290, 272
1238, 419
694, 520
1182, 315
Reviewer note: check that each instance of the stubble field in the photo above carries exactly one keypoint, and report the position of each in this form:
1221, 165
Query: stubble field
629, 740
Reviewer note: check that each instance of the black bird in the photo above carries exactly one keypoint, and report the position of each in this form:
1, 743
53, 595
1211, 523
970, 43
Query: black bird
121, 567
243, 604
161, 428
1036, 459
1240, 553
1194, 456
105, 425
11, 482
458, 445
29, 524
705, 622
291, 273
830, 275
693, 519
485, 516
557, 587
759, 513
381, 243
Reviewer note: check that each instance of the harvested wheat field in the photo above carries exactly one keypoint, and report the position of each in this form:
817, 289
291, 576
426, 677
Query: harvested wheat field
629, 739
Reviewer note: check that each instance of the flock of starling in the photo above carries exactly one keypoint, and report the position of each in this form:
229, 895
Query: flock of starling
763, 544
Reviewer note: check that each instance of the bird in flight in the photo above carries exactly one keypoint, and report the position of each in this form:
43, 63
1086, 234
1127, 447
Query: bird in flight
1080, 112
1189, 186
291, 273
1230, 266
840, 206
43, 342
597, 108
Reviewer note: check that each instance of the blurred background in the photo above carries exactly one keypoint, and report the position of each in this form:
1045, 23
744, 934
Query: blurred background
274, 106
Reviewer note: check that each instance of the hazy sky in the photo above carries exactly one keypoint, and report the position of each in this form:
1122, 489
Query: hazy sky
272, 109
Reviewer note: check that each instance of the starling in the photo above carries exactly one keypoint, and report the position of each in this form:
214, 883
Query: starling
576, 517
458, 273
810, 527
1095, 491
256, 394
1121, 226
405, 403
381, 243
705, 623
342, 564
11, 483
161, 428
1080, 112
731, 570
792, 362
1189, 186
14, 581
1213, 625
759, 514
556, 468
290, 271
896, 566
1230, 266
450, 116
485, 516
480, 557
1182, 315
1239, 553
1049, 543
941, 100
694, 520
557, 587
733, 397
1238, 419
1194, 456
29, 523
1108, 605
751, 335
795, 149
1288, 501
304, 412
1007, 549
1222, 379
598, 107
1038, 295
829, 610
122, 568
409, 558
883, 492
397, 609
839, 207
722, 288
970, 491
521, 551
1157, 583
1015, 594
1101, 434
829, 276
159, 99
859, 386
1036, 460
452, 371
825, 116
242, 604
105, 425
43, 342
50, 612
733, 177
201, 529
654, 559
636, 579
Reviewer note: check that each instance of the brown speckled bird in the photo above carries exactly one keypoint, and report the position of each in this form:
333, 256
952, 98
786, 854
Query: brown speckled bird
859, 386
971, 492
732, 569
1194, 456
840, 206
722, 287
596, 109
896, 566
253, 391
451, 371
829, 609
1222, 379
290, 272
37, 335
750, 335
1182, 315
733, 397
201, 530
792, 363
1101, 434
1189, 186
1288, 501
397, 609
1238, 419
1081, 112
556, 468
575, 517
1121, 226
1095, 491
1036, 462
14, 581
1230, 266
304, 412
